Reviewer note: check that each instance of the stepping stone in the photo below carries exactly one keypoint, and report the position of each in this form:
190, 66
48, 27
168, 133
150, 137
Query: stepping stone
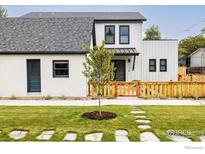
95, 137
140, 116
137, 112
70, 137
17, 134
121, 138
136, 109
148, 137
144, 126
202, 138
143, 121
121, 133
45, 135
178, 138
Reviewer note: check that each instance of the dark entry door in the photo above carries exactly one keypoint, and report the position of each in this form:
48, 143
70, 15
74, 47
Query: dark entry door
33, 76
119, 73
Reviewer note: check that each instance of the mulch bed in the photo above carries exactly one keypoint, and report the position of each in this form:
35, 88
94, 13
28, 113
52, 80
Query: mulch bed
95, 115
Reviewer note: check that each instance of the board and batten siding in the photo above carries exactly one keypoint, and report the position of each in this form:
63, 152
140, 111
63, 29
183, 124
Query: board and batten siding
198, 59
160, 49
13, 78
135, 41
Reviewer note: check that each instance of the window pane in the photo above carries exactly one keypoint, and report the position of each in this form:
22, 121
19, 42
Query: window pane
61, 72
163, 62
61, 65
152, 62
124, 31
109, 39
109, 30
124, 39
163, 68
152, 68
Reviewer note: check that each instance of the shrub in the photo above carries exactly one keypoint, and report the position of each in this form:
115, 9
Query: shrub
48, 97
62, 97
13, 97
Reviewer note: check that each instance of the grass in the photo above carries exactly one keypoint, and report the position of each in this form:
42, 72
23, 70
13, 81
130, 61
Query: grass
68, 119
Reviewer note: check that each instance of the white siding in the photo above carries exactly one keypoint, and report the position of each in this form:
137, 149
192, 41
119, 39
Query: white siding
198, 59
13, 76
160, 50
135, 42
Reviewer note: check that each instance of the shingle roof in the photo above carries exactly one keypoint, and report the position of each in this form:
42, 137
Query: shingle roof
136, 16
45, 35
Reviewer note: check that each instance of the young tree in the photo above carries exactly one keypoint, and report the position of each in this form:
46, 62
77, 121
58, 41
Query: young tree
3, 12
152, 33
98, 67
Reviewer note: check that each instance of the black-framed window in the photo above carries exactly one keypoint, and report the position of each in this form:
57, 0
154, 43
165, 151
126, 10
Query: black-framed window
163, 65
110, 34
60, 68
152, 65
124, 34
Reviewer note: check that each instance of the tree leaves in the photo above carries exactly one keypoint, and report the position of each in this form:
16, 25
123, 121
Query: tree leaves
153, 33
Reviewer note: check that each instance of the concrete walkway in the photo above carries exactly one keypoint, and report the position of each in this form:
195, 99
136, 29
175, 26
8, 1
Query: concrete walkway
121, 101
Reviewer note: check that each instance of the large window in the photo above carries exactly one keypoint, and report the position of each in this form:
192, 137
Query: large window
110, 34
152, 65
124, 35
163, 65
60, 68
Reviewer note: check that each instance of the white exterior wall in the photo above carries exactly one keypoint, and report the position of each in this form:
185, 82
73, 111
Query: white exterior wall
135, 42
198, 59
13, 76
163, 49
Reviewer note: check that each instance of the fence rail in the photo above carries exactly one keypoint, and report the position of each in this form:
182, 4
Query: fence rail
150, 89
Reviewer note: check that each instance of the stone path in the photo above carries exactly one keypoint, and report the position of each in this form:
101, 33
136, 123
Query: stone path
145, 136
45, 135
178, 138
70, 137
202, 138
148, 137
95, 137
17, 134
121, 136
144, 126
143, 121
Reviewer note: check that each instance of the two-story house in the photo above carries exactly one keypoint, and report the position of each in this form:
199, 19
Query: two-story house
41, 53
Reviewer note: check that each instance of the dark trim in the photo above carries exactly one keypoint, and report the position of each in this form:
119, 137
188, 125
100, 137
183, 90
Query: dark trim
127, 54
153, 65
94, 35
163, 40
133, 67
121, 35
105, 33
65, 76
40, 52
27, 72
163, 65
124, 66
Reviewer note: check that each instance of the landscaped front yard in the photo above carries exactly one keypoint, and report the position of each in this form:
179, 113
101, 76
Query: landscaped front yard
68, 119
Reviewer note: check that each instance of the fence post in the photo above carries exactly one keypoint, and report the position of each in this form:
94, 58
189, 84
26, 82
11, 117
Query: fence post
116, 89
171, 88
138, 88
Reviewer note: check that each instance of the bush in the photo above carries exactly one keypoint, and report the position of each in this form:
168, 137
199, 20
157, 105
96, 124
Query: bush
13, 97
48, 97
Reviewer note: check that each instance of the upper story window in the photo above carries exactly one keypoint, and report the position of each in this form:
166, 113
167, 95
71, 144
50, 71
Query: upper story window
124, 34
60, 69
110, 34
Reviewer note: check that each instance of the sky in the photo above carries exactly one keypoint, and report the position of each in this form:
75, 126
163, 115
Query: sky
174, 21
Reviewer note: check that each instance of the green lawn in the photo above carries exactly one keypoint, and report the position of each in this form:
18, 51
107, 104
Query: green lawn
68, 119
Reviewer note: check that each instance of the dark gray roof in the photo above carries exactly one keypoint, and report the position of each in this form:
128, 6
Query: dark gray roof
135, 16
45, 35
125, 51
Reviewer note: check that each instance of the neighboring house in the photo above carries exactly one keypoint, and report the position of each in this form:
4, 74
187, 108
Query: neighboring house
197, 61
41, 52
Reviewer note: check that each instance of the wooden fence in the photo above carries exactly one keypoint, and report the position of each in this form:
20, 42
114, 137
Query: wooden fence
184, 77
150, 89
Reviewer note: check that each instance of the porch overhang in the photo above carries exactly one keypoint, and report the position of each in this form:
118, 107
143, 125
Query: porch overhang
125, 51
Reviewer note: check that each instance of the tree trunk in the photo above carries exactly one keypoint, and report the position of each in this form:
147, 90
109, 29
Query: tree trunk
99, 101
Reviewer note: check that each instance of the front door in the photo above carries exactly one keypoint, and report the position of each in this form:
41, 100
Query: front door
119, 73
33, 76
